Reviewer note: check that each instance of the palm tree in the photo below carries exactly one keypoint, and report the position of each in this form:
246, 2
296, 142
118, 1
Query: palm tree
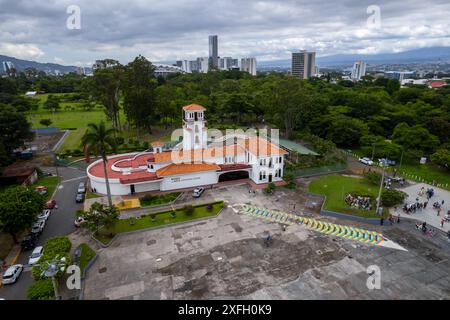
99, 140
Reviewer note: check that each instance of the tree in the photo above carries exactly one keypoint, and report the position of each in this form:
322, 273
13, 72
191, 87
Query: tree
19, 207
14, 131
52, 103
105, 88
100, 216
442, 158
415, 137
99, 140
139, 93
46, 122
346, 131
390, 197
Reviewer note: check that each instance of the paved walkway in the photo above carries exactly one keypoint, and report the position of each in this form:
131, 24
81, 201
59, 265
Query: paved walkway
429, 215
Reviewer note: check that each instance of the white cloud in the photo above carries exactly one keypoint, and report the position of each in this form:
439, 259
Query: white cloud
22, 51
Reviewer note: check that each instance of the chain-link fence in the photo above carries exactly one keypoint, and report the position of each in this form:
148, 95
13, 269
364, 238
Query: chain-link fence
309, 172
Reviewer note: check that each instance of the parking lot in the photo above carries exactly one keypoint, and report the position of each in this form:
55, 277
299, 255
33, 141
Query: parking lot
226, 257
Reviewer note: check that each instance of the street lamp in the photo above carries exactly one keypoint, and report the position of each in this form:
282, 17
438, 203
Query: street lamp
51, 269
380, 191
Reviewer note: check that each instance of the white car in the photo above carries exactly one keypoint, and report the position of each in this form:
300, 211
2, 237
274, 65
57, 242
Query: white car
79, 221
366, 161
198, 192
38, 227
12, 274
44, 215
36, 255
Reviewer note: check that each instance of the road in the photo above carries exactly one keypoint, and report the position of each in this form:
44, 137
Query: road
59, 223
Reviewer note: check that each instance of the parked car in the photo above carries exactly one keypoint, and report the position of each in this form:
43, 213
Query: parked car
29, 242
51, 204
44, 214
198, 192
79, 221
81, 188
386, 162
366, 161
79, 198
36, 255
12, 274
38, 227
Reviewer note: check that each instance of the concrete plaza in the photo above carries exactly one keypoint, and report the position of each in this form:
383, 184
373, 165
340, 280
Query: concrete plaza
225, 257
429, 215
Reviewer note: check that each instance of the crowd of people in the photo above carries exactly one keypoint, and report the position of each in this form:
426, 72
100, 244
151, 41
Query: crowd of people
358, 202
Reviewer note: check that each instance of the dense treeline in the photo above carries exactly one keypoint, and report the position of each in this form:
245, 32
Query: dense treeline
374, 114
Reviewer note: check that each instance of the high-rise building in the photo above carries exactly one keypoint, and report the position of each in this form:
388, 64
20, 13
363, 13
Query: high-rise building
303, 64
203, 64
9, 68
214, 52
359, 70
249, 65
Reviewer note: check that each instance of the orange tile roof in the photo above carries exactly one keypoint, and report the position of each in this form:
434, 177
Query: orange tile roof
261, 147
194, 107
198, 154
185, 168
157, 144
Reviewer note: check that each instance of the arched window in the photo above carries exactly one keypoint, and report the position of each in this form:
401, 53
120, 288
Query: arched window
197, 140
196, 128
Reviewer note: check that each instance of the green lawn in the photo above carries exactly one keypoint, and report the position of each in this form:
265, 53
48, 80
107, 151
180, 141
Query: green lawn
72, 141
162, 218
149, 200
50, 183
336, 187
427, 172
87, 254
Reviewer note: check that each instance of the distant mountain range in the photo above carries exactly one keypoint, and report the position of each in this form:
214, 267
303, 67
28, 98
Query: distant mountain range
423, 55
21, 65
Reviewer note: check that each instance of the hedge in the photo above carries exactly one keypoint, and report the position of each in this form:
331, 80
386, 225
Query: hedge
57, 246
41, 290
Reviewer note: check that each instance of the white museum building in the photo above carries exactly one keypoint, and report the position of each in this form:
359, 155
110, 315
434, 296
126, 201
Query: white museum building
196, 161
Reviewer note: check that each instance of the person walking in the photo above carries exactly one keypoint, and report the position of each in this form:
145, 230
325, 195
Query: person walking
398, 218
442, 223
381, 221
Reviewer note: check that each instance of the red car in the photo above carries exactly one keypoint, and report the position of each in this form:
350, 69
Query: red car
50, 204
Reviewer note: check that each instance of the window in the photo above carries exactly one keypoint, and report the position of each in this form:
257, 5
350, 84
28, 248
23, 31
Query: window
197, 140
196, 128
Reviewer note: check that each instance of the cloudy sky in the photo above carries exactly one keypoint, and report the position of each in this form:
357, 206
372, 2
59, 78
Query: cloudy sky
178, 29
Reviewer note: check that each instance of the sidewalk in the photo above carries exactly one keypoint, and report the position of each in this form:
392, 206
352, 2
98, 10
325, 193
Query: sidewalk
429, 215
11, 259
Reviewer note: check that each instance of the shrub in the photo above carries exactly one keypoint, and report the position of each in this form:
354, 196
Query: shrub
147, 198
390, 198
153, 217
54, 247
373, 177
41, 290
188, 210
270, 188
145, 144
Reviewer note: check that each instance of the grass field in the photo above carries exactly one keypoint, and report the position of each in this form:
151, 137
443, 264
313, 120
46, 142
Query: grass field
72, 141
336, 187
427, 173
50, 183
87, 254
148, 201
162, 218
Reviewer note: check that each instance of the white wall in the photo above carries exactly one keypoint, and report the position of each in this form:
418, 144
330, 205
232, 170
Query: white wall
189, 180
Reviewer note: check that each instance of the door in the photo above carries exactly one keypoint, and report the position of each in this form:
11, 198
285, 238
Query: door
270, 178
132, 189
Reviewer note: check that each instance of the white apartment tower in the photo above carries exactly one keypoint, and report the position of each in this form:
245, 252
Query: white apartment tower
359, 70
249, 65
303, 64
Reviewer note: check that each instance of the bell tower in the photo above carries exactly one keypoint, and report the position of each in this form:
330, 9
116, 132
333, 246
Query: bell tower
194, 127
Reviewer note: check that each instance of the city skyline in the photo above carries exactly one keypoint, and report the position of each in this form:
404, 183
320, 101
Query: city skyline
269, 30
